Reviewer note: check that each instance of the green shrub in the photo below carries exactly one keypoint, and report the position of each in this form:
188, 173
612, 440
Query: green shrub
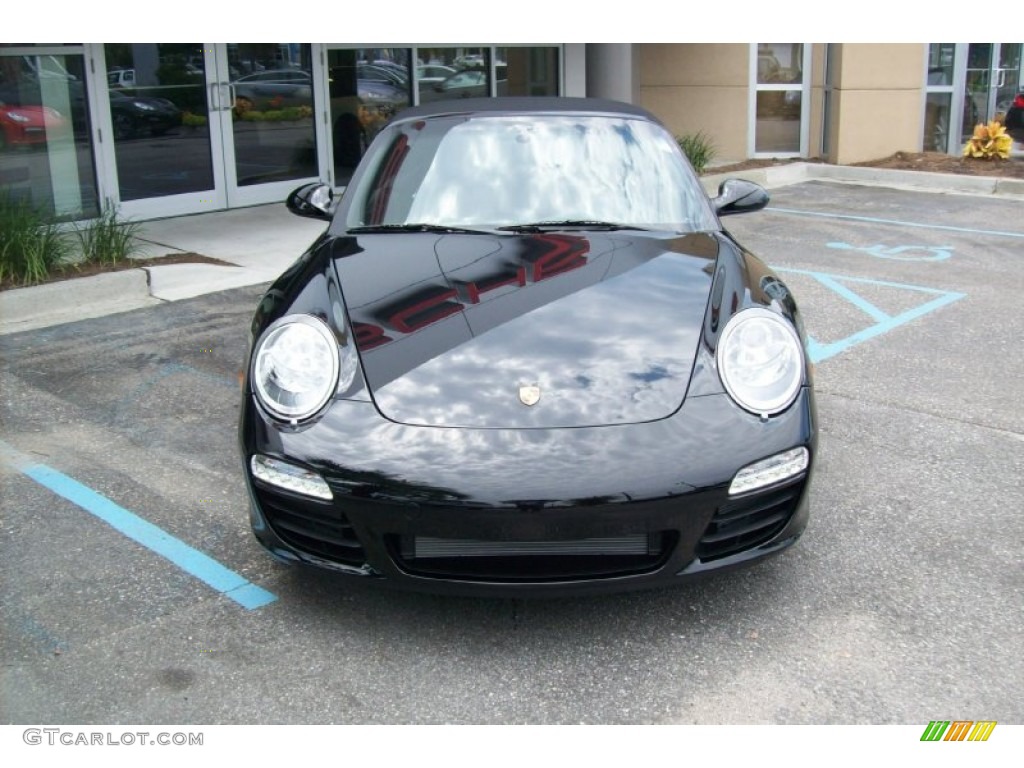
35, 248
32, 244
698, 150
107, 239
285, 114
192, 120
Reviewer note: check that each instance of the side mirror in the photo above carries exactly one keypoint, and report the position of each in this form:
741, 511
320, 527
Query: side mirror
311, 201
739, 196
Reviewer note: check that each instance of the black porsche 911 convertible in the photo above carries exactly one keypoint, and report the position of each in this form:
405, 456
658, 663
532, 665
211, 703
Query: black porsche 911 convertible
525, 358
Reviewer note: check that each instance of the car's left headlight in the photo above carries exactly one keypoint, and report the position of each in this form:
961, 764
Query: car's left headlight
760, 361
295, 367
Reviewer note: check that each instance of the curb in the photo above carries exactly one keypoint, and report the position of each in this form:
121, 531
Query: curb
918, 181
40, 306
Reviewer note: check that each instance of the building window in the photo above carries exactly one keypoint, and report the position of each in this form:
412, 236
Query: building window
370, 85
366, 88
779, 79
46, 153
527, 71
939, 98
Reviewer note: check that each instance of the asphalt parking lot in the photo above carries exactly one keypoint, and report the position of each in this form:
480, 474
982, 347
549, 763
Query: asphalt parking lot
133, 591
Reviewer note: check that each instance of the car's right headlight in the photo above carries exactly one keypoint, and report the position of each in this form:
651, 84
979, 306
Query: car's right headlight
295, 367
760, 361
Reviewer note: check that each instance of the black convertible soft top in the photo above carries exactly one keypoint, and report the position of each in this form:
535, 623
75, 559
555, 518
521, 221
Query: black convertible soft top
523, 105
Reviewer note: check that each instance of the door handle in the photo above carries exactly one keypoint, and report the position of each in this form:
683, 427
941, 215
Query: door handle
214, 97
228, 96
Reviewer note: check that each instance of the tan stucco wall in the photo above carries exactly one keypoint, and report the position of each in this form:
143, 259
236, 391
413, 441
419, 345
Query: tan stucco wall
878, 101
699, 87
877, 98
882, 66
705, 64
874, 124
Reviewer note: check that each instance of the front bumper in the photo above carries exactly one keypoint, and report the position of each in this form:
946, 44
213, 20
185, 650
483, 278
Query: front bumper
526, 512
20, 134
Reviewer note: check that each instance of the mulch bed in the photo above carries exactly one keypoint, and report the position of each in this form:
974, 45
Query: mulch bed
931, 162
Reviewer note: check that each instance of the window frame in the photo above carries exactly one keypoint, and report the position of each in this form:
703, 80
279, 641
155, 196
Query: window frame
756, 87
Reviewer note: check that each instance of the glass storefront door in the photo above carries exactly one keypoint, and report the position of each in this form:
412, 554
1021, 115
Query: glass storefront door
159, 110
164, 129
203, 127
1007, 78
992, 80
270, 141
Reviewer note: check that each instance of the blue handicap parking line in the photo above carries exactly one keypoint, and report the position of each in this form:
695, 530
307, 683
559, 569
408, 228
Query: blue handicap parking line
895, 222
154, 538
884, 322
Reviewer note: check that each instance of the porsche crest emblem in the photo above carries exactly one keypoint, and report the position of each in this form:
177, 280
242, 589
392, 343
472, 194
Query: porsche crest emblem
529, 395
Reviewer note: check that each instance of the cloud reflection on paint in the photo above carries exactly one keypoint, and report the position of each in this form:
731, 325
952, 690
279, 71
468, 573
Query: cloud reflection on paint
615, 352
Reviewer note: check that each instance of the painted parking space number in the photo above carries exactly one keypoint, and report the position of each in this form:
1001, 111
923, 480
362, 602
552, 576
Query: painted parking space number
899, 252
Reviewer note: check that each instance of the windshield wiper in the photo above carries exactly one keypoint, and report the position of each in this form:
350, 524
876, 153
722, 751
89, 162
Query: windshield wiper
541, 226
443, 229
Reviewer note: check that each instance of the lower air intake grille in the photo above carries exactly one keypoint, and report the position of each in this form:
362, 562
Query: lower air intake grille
745, 523
311, 526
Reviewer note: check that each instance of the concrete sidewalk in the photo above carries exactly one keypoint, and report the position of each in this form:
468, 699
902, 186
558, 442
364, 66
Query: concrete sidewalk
263, 240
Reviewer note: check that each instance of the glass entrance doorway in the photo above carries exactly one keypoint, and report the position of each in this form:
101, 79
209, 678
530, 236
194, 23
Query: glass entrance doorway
270, 143
993, 79
198, 127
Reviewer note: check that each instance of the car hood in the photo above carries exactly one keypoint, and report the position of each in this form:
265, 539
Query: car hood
36, 115
526, 331
131, 102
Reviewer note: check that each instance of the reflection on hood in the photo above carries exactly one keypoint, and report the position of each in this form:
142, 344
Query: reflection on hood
605, 325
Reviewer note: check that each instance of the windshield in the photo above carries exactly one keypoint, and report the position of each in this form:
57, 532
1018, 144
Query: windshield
492, 171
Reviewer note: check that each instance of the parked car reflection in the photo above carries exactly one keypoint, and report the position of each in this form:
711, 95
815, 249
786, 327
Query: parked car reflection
136, 115
430, 75
121, 78
469, 83
27, 125
274, 88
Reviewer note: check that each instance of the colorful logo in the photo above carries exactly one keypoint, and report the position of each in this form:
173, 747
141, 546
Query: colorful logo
958, 730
